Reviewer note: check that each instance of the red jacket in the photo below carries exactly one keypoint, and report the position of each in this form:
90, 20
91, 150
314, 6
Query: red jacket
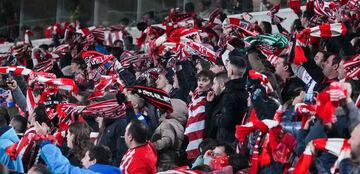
139, 160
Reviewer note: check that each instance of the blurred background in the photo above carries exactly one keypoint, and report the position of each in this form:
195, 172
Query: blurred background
17, 15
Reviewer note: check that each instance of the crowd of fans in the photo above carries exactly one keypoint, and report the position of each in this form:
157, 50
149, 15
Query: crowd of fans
223, 95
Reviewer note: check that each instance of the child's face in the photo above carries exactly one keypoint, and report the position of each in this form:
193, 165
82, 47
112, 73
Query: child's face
204, 83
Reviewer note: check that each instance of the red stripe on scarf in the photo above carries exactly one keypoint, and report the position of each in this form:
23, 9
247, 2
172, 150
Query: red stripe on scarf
325, 30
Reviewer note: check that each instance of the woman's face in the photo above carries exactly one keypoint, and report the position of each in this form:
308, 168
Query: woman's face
70, 139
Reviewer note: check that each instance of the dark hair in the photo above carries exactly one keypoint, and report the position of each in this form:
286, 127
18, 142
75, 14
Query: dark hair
80, 62
238, 61
206, 73
238, 162
204, 168
336, 60
101, 153
308, 14
170, 76
189, 7
81, 141
40, 169
22, 123
207, 144
139, 131
228, 149
205, 64
141, 26
267, 27
222, 77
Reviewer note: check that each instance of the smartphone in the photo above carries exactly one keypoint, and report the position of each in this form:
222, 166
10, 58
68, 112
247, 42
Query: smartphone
309, 98
10, 78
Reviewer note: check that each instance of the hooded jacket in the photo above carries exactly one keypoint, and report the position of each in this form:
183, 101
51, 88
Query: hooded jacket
169, 135
8, 137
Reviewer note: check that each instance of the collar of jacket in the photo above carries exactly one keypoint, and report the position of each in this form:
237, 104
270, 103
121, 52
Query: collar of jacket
235, 84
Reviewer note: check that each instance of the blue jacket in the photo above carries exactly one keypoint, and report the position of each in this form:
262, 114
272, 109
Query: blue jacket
105, 169
59, 164
8, 137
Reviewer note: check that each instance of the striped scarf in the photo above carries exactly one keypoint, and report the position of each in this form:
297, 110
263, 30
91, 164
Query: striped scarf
263, 80
305, 111
16, 70
334, 146
59, 83
322, 8
195, 125
271, 129
329, 100
266, 43
355, 4
103, 84
27, 147
194, 48
327, 30
352, 67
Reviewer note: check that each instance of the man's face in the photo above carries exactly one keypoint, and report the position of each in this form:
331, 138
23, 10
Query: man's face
318, 58
355, 143
216, 87
161, 82
280, 67
204, 83
86, 162
328, 67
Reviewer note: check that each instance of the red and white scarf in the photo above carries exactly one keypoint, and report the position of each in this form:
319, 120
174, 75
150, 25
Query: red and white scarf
103, 84
195, 125
61, 83
352, 67
305, 111
328, 100
263, 79
327, 30
16, 70
332, 145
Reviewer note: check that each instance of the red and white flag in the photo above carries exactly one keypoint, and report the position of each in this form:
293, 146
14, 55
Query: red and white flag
195, 125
